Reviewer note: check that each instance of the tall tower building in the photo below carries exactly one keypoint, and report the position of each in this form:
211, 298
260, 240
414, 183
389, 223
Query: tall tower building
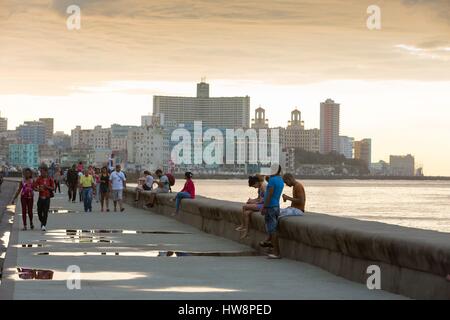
260, 121
329, 126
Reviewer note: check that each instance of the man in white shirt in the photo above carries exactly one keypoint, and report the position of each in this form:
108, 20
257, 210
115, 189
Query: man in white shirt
118, 183
145, 184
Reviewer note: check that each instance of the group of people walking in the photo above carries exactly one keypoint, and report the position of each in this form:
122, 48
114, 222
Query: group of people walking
102, 184
99, 184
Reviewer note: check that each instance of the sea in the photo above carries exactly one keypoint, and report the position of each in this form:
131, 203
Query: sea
417, 204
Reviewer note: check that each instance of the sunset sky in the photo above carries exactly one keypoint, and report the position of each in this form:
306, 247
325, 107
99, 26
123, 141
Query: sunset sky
393, 84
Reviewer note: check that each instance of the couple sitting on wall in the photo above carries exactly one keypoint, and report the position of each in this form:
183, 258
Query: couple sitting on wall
270, 192
164, 184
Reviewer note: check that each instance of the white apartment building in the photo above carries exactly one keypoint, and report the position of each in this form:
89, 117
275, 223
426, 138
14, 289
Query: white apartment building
97, 138
346, 146
146, 148
220, 112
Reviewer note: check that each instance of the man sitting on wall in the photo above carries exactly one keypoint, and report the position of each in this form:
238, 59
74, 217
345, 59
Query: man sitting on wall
298, 200
163, 187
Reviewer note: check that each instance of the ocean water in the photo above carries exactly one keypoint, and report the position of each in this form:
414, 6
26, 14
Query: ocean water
418, 204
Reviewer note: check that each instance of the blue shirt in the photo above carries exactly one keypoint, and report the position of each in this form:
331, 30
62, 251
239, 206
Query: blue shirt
277, 184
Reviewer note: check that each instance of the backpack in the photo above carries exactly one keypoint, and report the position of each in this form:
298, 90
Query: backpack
171, 179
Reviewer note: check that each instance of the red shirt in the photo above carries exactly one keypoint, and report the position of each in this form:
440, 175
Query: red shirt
189, 187
45, 193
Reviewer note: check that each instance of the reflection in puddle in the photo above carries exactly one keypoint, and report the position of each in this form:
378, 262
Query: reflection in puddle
30, 245
78, 232
60, 211
154, 253
35, 274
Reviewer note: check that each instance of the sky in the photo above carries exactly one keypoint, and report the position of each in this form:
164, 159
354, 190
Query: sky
393, 84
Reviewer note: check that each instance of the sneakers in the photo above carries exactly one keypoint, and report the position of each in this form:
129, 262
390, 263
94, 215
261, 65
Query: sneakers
24, 228
32, 227
273, 257
43, 228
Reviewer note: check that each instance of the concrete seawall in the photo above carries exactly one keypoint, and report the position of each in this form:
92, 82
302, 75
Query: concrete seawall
413, 262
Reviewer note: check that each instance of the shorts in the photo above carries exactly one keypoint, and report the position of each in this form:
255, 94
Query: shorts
271, 218
291, 212
117, 195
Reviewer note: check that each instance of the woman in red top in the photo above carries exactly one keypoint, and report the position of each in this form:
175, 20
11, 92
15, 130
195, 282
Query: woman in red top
188, 192
45, 186
26, 191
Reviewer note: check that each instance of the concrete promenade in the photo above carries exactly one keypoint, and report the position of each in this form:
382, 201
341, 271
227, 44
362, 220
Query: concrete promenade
124, 256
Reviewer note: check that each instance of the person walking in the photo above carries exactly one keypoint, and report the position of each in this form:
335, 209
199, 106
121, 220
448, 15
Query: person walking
118, 183
58, 179
97, 184
271, 209
87, 185
72, 183
45, 186
26, 192
188, 192
104, 189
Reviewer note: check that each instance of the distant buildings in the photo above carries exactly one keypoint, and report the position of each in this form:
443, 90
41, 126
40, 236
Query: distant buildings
24, 155
295, 135
402, 165
363, 150
329, 126
346, 146
98, 138
260, 121
49, 127
32, 132
221, 112
145, 148
3, 124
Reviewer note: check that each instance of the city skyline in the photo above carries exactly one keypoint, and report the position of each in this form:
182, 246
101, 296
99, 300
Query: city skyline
392, 84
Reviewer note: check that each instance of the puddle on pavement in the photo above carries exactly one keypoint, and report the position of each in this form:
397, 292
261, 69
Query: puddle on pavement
35, 274
154, 253
99, 231
30, 245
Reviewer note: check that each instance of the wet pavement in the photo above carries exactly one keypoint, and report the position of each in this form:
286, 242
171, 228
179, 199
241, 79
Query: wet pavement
141, 255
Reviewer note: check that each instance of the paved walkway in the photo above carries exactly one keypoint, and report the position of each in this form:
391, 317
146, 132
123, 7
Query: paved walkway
138, 272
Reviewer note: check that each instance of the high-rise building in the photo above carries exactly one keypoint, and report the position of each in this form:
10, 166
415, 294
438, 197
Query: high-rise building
220, 112
3, 124
363, 150
32, 132
402, 165
260, 121
329, 126
295, 135
49, 127
346, 146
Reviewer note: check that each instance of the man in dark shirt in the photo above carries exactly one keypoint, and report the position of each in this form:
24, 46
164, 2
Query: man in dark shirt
72, 183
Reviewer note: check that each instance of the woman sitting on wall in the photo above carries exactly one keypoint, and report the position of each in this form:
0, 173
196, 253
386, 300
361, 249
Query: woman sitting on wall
188, 192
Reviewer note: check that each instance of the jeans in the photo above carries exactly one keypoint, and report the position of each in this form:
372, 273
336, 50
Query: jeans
271, 219
180, 196
87, 199
43, 205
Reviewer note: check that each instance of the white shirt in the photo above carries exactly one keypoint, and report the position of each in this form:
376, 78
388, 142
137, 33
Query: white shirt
117, 179
149, 181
